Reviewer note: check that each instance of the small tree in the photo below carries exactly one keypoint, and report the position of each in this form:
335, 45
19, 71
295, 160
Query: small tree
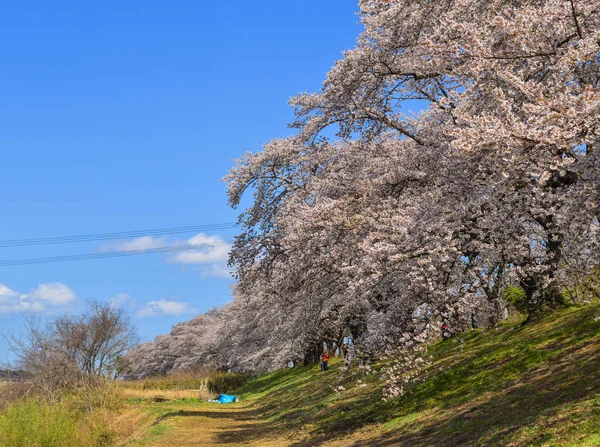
73, 351
96, 340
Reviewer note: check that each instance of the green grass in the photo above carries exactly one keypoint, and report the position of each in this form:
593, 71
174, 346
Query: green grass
158, 413
155, 432
31, 423
531, 385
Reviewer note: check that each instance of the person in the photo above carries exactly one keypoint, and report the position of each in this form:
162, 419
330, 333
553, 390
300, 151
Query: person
324, 361
474, 320
345, 350
445, 333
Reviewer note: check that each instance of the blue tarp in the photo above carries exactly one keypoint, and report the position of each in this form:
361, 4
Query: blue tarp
226, 398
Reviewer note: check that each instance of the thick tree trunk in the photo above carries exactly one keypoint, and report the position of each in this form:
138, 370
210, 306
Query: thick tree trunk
533, 299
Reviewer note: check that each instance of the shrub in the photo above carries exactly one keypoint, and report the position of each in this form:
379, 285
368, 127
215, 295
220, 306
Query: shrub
31, 423
550, 299
201, 379
193, 379
98, 395
168, 383
96, 430
78, 418
11, 392
516, 297
226, 382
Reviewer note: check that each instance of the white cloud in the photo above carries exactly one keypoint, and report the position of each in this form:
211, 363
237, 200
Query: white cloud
140, 243
212, 255
216, 270
163, 308
41, 298
119, 300
55, 294
212, 252
7, 294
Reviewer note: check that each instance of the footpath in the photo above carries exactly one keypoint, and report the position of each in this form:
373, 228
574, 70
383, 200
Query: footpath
211, 425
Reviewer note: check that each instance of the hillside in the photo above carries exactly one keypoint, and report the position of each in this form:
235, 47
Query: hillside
533, 385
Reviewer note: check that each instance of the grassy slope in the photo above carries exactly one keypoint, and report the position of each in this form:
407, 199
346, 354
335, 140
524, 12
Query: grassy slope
535, 385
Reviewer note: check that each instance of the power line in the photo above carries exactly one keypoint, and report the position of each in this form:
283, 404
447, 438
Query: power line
110, 254
115, 235
120, 272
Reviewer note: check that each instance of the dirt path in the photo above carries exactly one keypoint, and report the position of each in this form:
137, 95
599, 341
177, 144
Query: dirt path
217, 425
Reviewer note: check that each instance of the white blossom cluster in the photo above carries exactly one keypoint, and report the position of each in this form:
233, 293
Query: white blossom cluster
404, 222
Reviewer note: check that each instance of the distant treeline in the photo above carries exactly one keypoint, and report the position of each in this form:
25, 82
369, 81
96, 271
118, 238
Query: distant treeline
7, 374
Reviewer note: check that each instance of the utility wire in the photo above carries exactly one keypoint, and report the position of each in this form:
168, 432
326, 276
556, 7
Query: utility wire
115, 235
121, 272
109, 254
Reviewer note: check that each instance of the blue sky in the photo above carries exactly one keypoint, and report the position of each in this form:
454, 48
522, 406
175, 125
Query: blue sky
124, 116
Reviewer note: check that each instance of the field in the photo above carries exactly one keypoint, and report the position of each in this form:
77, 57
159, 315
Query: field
514, 385
532, 385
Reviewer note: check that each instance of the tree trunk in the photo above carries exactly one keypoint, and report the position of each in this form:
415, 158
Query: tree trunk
533, 299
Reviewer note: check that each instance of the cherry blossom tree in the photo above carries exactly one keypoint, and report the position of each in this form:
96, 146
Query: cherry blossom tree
513, 83
190, 344
484, 187
409, 219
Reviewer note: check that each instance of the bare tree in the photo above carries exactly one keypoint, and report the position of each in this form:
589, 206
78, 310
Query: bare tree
96, 340
73, 351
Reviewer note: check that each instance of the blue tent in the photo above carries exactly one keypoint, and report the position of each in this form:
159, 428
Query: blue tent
226, 398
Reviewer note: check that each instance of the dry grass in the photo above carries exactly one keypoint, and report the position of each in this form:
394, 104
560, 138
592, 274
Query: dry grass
12, 391
150, 394
211, 425
131, 425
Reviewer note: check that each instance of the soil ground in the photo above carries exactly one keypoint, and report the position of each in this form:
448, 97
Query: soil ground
215, 425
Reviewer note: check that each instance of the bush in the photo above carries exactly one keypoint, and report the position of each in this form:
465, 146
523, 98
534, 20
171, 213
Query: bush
78, 418
31, 423
201, 379
193, 379
550, 299
99, 395
168, 383
96, 430
220, 383
11, 392
516, 297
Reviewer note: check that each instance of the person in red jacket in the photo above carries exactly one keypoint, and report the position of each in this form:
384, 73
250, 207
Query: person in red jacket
324, 361
445, 332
